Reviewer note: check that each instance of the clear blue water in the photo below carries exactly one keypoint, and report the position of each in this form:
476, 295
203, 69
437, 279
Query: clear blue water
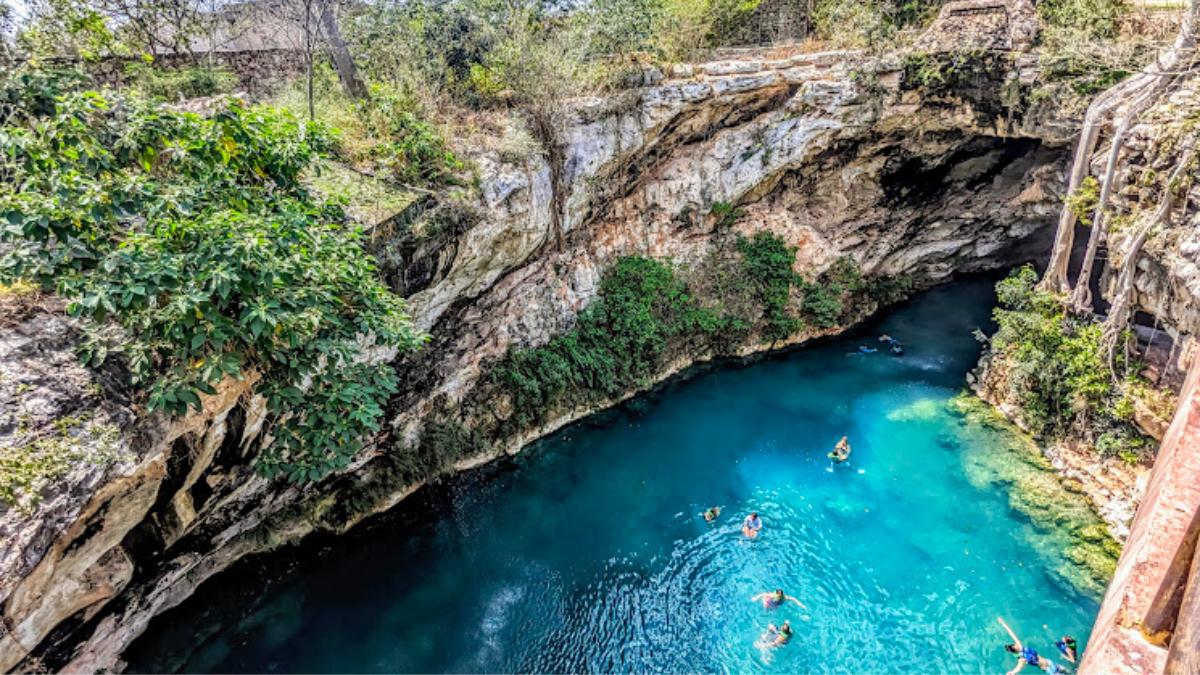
588, 553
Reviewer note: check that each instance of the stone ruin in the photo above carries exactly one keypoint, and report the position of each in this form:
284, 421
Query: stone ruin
971, 25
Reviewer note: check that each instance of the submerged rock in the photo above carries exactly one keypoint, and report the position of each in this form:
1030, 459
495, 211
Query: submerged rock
1001, 453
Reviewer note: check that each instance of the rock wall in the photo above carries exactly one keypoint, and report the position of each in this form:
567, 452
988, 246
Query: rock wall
1148, 620
839, 155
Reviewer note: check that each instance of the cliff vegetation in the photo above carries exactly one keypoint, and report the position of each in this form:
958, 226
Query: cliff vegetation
191, 252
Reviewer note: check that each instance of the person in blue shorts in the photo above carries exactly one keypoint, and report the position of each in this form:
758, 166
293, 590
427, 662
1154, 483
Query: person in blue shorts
1029, 656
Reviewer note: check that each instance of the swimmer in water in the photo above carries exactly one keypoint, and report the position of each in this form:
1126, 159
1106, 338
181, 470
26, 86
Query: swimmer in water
775, 600
1066, 645
1029, 656
776, 637
841, 451
751, 525
711, 514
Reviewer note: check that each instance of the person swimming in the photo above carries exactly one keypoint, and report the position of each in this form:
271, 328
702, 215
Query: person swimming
711, 514
775, 600
776, 637
841, 451
866, 350
1028, 655
1066, 645
751, 525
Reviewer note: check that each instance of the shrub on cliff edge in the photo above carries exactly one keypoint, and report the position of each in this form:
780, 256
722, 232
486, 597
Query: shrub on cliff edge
191, 250
1058, 370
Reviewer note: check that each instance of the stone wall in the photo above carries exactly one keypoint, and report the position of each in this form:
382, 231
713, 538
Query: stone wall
258, 71
1143, 605
968, 25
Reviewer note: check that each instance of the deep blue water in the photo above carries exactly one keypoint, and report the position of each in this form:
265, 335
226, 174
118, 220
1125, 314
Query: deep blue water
588, 553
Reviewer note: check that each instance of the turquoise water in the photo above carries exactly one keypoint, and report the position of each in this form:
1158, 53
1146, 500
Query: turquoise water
588, 553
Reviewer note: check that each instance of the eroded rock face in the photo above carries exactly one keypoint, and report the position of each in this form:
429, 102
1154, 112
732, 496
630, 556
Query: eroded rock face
837, 155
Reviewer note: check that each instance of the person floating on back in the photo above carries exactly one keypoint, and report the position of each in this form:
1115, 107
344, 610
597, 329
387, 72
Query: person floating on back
841, 451
711, 514
1066, 645
751, 525
776, 637
1029, 656
775, 600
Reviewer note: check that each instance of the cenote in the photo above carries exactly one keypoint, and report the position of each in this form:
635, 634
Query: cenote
587, 552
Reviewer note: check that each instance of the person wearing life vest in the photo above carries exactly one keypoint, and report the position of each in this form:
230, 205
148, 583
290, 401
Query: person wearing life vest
776, 637
775, 600
1066, 645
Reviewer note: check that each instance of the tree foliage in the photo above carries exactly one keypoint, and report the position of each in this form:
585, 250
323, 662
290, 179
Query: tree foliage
768, 264
192, 250
869, 23
1057, 367
617, 344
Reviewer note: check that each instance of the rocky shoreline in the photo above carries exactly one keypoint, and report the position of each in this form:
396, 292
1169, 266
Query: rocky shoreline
1114, 487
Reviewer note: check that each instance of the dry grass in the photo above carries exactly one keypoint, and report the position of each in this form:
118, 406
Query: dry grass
20, 301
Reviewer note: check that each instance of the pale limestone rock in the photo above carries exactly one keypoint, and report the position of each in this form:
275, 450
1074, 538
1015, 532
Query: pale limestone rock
809, 153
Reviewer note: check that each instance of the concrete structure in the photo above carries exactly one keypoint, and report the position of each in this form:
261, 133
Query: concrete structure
1148, 622
971, 25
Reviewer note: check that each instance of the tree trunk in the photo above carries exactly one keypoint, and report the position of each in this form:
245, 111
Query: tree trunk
1055, 279
1081, 298
335, 47
1118, 314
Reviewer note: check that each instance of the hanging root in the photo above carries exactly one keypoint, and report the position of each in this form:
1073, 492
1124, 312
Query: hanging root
1147, 92
1180, 54
1055, 279
1118, 314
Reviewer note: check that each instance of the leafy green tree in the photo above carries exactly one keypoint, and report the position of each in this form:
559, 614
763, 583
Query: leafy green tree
192, 250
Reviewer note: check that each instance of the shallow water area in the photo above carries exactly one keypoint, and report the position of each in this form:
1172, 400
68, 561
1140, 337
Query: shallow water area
588, 552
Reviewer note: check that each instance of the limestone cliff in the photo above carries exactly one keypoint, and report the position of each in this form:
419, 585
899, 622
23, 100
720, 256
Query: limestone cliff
838, 154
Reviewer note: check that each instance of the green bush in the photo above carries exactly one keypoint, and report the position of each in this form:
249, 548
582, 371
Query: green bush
822, 304
727, 214
889, 289
1084, 200
617, 344
388, 133
404, 145
869, 23
846, 273
195, 238
1057, 367
173, 84
768, 263
1094, 19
